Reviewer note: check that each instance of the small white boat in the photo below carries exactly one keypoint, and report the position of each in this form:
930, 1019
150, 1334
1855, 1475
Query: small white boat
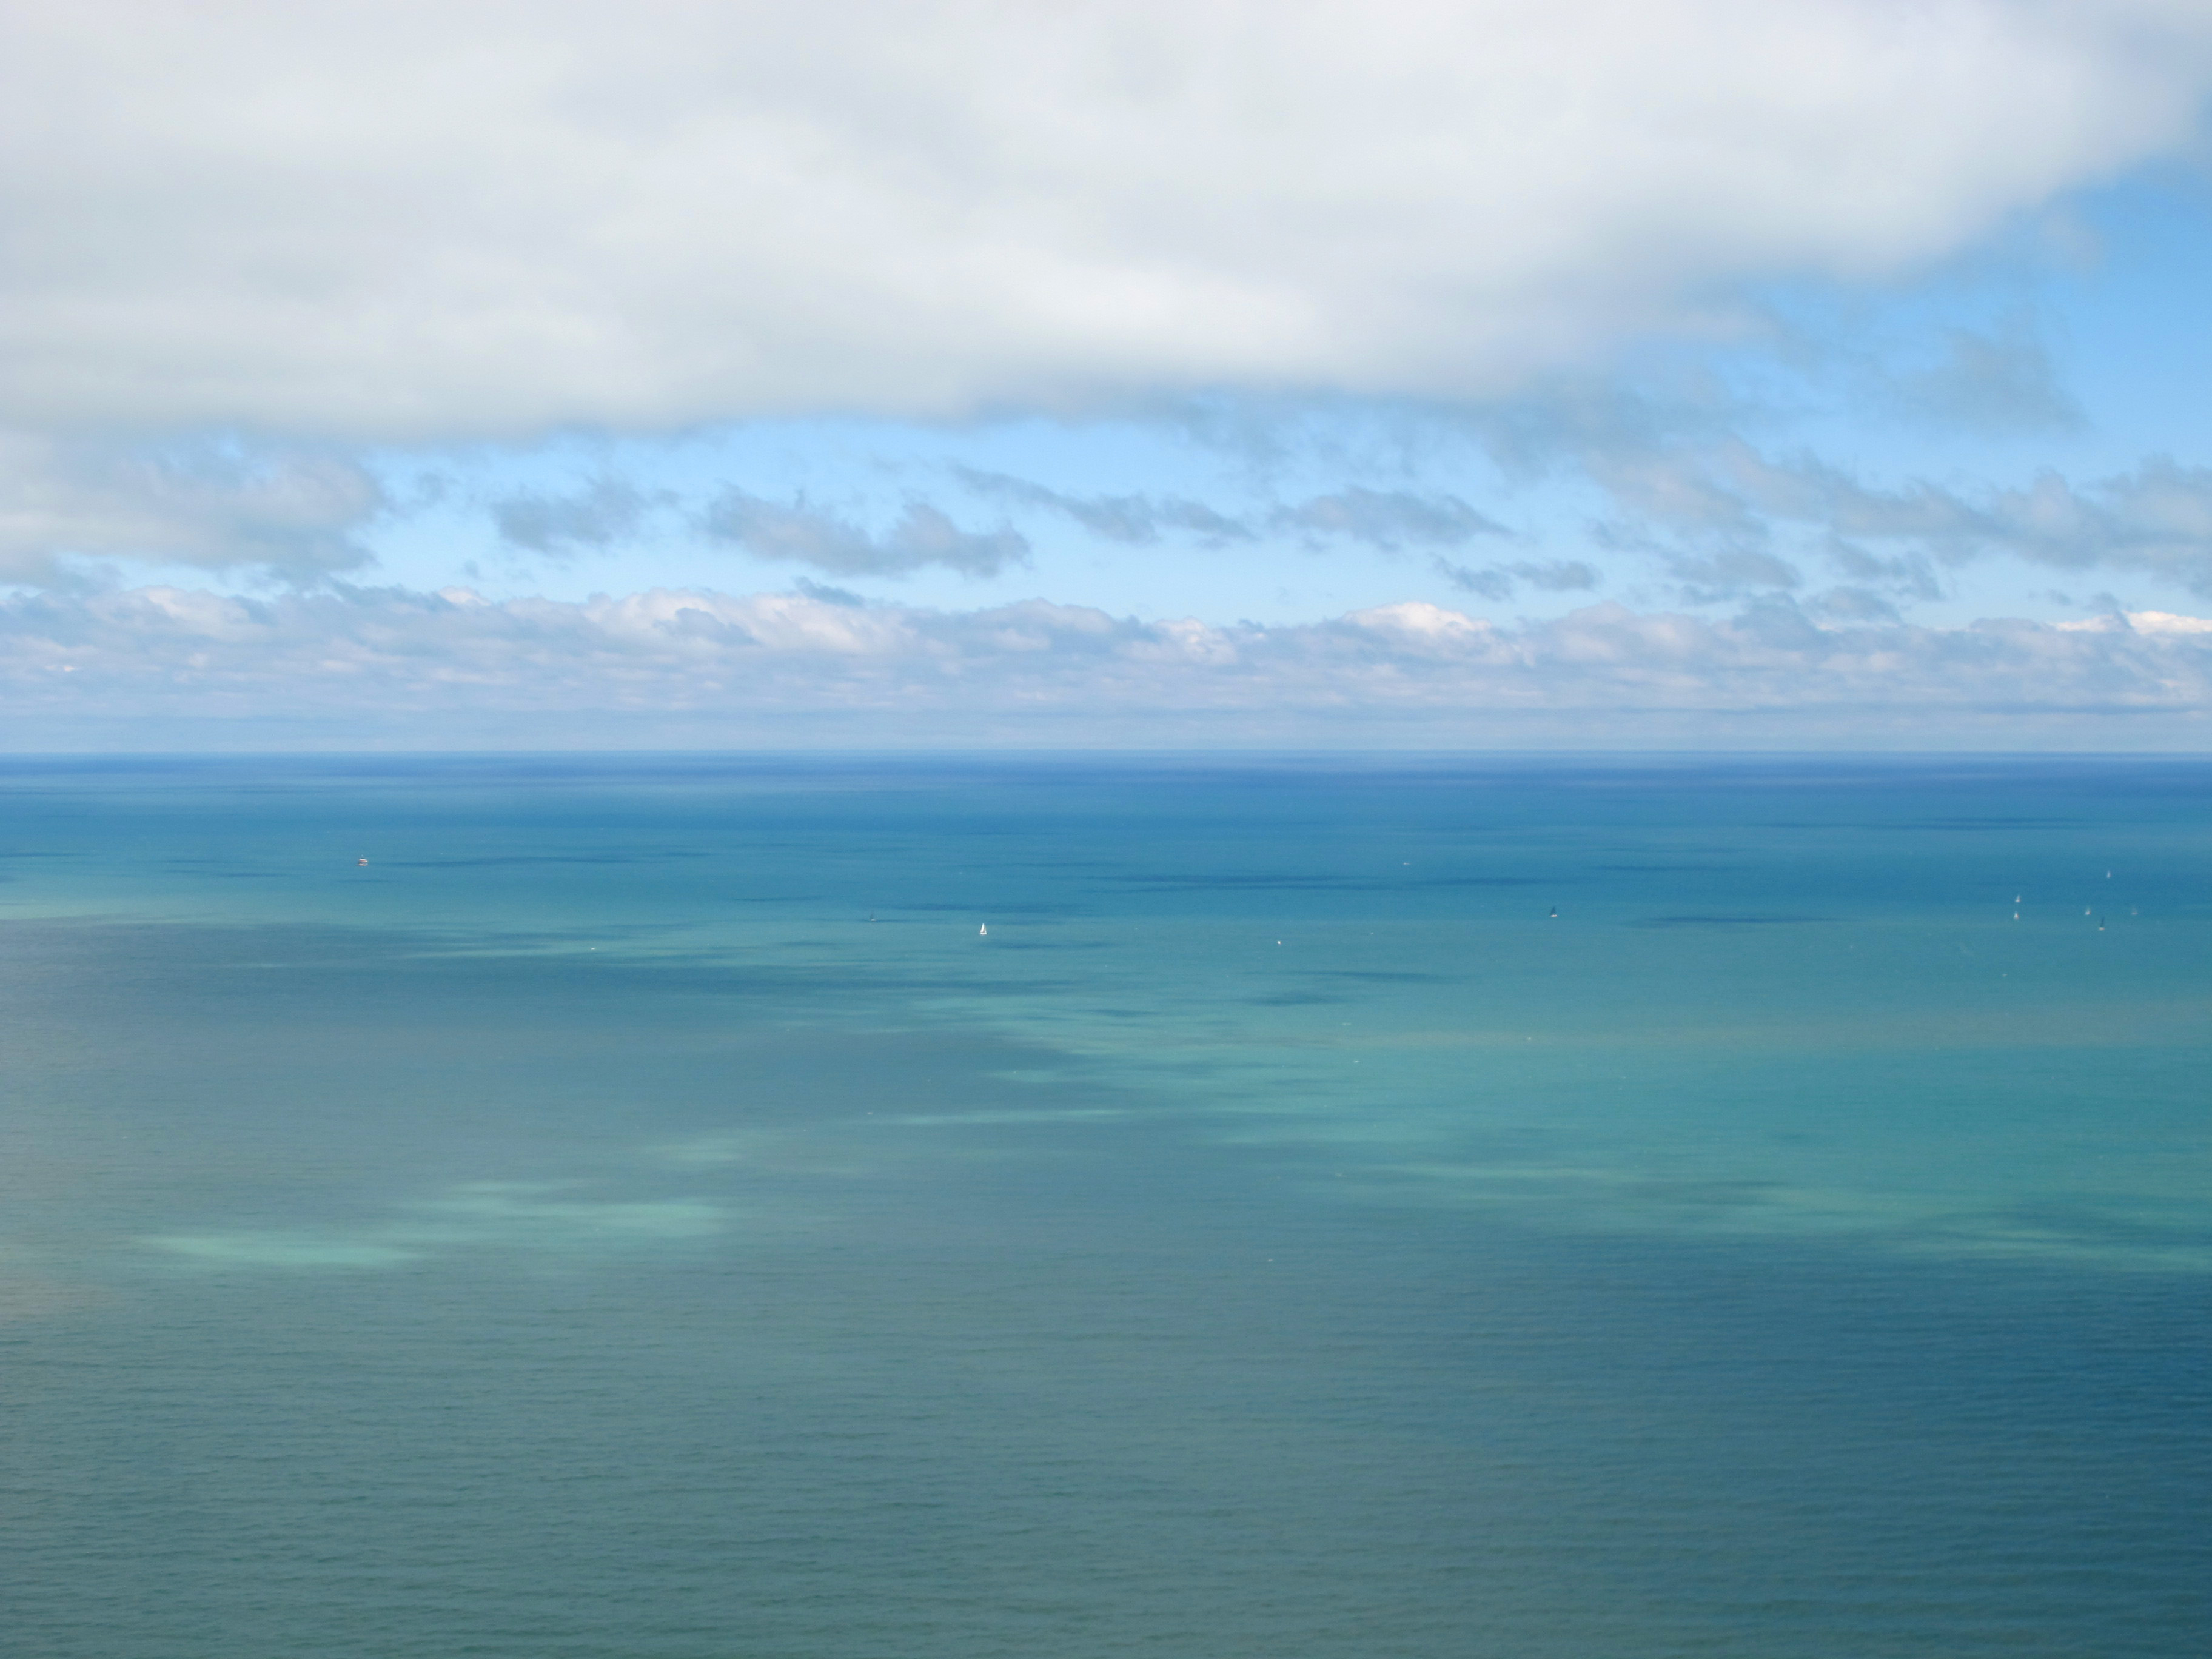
984, 931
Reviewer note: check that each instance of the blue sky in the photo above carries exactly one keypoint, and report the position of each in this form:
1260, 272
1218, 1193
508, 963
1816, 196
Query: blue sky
1492, 374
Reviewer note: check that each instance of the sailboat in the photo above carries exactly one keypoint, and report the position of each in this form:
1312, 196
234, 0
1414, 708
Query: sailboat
984, 931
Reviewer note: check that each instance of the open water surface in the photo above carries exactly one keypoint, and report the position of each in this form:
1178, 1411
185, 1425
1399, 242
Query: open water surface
637, 1215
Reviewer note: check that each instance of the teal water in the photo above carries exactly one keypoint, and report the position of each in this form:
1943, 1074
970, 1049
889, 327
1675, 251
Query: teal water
583, 1231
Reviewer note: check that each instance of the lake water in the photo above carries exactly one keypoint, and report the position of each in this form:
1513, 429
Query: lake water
639, 1214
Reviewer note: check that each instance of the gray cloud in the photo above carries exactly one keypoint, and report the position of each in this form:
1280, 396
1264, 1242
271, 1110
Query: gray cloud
1560, 576
1727, 519
217, 507
1853, 604
1731, 571
1907, 576
1386, 518
1134, 519
604, 512
374, 657
2156, 518
931, 208
802, 535
2002, 383
1496, 581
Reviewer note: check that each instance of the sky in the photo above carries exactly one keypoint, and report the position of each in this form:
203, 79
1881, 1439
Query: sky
1587, 373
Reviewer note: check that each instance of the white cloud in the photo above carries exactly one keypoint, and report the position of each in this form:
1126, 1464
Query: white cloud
425, 221
2153, 621
387, 665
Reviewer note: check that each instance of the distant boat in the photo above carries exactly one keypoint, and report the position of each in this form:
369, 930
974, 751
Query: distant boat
1555, 912
984, 931
362, 862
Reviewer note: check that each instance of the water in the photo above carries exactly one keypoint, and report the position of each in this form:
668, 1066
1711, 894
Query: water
583, 1231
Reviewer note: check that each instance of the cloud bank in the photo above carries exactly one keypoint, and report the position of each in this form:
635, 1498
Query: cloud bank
429, 222
706, 668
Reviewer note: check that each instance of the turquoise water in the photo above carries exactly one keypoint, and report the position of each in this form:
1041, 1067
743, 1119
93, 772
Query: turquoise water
582, 1230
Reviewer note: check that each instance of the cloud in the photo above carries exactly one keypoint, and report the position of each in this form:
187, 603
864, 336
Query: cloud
604, 512
1732, 571
2156, 518
379, 665
1854, 604
1128, 518
2004, 383
1496, 581
215, 506
802, 535
423, 223
1386, 518
1726, 519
